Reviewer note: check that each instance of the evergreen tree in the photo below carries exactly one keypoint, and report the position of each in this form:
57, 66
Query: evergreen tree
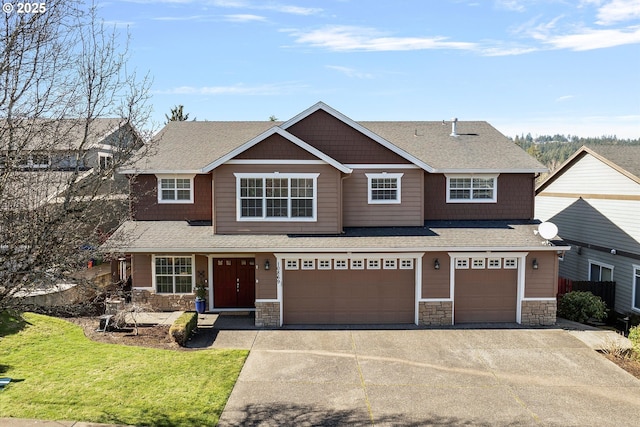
177, 115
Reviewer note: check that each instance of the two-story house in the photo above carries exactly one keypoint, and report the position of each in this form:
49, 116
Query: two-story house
324, 220
594, 198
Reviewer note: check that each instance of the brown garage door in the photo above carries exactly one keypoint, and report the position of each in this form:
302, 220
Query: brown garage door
348, 296
485, 295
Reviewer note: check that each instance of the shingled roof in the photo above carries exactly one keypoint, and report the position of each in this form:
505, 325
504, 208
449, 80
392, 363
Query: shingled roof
188, 147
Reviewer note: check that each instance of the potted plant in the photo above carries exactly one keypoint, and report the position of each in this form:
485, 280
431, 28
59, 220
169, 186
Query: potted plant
201, 296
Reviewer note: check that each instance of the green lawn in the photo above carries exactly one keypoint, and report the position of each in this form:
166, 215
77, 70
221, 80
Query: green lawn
58, 374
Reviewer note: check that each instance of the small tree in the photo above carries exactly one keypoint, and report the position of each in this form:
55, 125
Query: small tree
580, 306
177, 114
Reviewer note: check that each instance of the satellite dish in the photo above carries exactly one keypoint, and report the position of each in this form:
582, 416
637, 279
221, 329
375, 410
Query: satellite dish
548, 230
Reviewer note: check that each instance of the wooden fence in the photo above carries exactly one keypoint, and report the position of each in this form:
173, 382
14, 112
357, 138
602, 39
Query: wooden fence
605, 290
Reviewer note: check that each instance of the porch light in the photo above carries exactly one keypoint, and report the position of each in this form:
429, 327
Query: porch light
436, 264
534, 264
267, 265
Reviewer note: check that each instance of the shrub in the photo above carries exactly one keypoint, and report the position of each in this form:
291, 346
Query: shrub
634, 337
181, 329
581, 306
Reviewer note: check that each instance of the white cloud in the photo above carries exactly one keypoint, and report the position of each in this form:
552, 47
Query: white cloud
513, 5
589, 39
564, 98
351, 38
618, 11
350, 72
237, 89
244, 18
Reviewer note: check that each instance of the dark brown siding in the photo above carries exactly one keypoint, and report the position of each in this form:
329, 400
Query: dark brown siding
276, 147
340, 141
145, 206
543, 282
485, 295
515, 200
435, 283
359, 213
266, 284
141, 276
348, 296
329, 195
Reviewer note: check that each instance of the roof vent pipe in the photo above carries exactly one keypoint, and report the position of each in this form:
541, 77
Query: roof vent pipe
454, 122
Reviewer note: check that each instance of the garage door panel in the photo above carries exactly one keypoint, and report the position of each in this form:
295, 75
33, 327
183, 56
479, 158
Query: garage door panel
348, 296
486, 295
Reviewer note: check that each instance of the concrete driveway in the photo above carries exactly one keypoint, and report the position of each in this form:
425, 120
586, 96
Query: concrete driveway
451, 377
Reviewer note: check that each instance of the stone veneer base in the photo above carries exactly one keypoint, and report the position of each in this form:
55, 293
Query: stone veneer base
267, 314
435, 313
539, 313
159, 302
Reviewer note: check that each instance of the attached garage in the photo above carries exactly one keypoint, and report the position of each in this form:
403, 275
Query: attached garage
486, 290
348, 291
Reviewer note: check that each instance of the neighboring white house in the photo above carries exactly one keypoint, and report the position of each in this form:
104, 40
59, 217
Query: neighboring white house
594, 199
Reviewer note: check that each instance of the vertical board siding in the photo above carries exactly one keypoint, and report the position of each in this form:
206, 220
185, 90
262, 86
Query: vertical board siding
276, 147
328, 196
543, 282
436, 283
515, 200
145, 206
359, 213
342, 142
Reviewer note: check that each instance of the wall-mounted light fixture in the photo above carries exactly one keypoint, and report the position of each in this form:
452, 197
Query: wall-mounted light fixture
436, 264
267, 265
534, 264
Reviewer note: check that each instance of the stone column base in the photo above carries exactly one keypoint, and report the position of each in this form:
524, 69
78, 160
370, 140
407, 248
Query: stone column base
268, 314
435, 313
539, 313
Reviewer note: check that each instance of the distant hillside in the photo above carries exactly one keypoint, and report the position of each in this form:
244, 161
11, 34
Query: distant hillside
552, 151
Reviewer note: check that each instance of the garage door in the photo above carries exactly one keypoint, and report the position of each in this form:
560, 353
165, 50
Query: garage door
349, 295
485, 295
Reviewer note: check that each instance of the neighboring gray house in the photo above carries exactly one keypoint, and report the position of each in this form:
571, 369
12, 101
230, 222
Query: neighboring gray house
594, 199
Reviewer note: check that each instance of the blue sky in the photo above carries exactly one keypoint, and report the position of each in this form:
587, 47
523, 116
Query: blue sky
538, 66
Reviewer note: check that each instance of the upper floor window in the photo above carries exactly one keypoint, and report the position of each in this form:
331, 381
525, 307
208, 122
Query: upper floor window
636, 287
175, 189
384, 187
472, 188
276, 197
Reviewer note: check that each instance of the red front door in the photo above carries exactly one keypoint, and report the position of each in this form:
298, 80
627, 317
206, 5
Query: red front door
234, 282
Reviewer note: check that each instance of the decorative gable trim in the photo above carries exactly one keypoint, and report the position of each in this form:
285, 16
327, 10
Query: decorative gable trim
377, 138
292, 138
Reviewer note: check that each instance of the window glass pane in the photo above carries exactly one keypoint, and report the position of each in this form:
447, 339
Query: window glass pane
183, 284
164, 266
251, 208
183, 194
606, 274
164, 284
302, 208
167, 183
277, 207
636, 284
183, 183
594, 273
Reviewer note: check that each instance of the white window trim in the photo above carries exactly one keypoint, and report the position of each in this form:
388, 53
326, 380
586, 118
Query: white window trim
324, 264
390, 264
406, 264
471, 176
497, 263
481, 263
153, 274
353, 265
310, 264
635, 285
291, 264
510, 267
373, 264
160, 177
600, 264
341, 264
277, 175
384, 175
461, 263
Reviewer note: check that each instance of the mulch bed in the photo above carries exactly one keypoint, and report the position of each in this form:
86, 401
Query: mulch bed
148, 336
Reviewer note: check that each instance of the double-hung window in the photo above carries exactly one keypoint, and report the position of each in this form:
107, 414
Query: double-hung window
173, 274
472, 188
276, 197
384, 188
175, 188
